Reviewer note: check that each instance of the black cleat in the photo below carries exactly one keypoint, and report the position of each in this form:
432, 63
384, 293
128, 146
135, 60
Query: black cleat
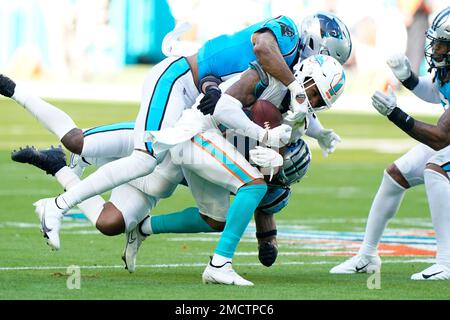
50, 160
7, 86
267, 253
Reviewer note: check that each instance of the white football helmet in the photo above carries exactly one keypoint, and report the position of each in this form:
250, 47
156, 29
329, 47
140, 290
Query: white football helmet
439, 34
324, 33
327, 74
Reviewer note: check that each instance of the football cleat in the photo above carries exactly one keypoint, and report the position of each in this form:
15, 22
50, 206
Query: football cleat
134, 239
7, 86
50, 160
223, 274
435, 272
51, 219
358, 264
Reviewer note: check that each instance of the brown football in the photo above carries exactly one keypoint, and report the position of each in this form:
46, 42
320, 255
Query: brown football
265, 114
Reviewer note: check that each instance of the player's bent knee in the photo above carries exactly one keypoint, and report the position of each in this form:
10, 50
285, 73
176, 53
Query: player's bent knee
255, 182
396, 174
110, 222
74, 141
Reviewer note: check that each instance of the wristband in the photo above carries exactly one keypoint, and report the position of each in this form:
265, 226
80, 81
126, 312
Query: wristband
401, 119
262, 235
411, 82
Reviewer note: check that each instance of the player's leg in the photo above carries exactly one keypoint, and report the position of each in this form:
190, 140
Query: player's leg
273, 202
171, 90
437, 185
87, 143
212, 201
405, 172
54, 119
214, 159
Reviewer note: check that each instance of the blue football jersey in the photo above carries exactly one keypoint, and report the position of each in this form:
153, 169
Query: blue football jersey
226, 55
444, 90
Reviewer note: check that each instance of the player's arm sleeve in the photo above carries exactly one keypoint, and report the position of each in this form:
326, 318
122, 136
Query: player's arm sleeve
427, 90
229, 113
314, 126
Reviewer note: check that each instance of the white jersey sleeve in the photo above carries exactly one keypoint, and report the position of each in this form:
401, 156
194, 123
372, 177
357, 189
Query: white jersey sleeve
427, 90
274, 92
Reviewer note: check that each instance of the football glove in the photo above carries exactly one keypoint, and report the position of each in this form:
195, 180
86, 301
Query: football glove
400, 66
328, 140
208, 102
279, 136
298, 111
266, 158
384, 104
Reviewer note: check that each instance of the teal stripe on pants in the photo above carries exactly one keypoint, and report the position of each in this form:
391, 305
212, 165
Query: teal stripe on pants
110, 127
161, 95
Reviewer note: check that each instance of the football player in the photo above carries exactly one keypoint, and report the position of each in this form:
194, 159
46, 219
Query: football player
421, 162
173, 85
185, 221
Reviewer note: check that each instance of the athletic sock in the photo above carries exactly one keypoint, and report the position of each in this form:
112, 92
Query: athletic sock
239, 214
109, 141
384, 206
218, 260
54, 119
438, 193
107, 177
188, 220
91, 207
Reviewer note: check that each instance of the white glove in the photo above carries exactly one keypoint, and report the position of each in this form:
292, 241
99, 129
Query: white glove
298, 111
399, 63
266, 158
279, 136
384, 103
328, 140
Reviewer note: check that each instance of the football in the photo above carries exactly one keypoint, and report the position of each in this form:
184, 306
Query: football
265, 114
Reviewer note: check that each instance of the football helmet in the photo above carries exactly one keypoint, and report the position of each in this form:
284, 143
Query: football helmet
297, 159
324, 33
437, 51
327, 74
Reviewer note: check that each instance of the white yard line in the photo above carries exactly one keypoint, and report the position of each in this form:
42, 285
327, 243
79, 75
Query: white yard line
197, 264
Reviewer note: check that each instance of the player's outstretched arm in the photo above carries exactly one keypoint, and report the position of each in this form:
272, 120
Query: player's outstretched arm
434, 136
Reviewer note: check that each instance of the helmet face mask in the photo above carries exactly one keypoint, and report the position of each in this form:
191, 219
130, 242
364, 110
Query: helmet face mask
323, 80
314, 96
437, 51
324, 33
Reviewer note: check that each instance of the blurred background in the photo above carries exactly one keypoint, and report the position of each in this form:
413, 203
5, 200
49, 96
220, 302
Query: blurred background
84, 49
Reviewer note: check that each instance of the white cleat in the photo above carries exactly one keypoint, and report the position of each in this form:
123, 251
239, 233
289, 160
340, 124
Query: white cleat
223, 275
50, 217
358, 264
134, 239
435, 272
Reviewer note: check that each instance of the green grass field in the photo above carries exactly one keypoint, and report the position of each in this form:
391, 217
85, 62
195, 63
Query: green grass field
334, 198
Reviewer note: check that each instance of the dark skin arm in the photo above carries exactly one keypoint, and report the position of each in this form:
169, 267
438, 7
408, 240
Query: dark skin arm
269, 56
243, 89
436, 137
